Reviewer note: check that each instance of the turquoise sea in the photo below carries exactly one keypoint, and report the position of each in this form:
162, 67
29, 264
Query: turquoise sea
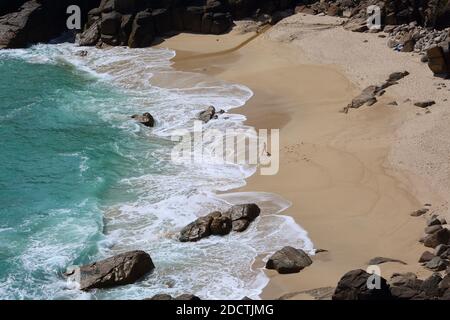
80, 180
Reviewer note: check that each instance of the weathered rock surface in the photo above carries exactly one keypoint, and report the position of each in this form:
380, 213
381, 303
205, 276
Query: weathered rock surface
426, 256
440, 237
289, 260
237, 218
353, 286
123, 269
381, 260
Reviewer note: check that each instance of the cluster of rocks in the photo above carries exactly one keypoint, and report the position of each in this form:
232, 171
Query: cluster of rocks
237, 218
412, 37
356, 284
128, 22
369, 95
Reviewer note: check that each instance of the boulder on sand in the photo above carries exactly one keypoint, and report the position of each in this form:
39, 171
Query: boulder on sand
242, 215
440, 237
122, 269
353, 286
289, 260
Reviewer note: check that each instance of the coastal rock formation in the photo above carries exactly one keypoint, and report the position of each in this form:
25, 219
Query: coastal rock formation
237, 218
440, 237
146, 119
26, 22
122, 269
289, 260
369, 94
353, 286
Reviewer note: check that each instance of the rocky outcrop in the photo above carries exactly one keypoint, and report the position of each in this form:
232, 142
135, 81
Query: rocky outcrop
354, 286
123, 269
27, 22
237, 218
289, 260
369, 95
146, 119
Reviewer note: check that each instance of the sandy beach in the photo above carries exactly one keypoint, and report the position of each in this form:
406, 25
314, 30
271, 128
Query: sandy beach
353, 179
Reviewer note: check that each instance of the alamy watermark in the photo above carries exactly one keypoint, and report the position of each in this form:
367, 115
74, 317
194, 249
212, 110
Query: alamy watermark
232, 146
374, 17
73, 22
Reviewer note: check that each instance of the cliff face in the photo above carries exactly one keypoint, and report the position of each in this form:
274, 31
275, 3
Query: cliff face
35, 21
136, 22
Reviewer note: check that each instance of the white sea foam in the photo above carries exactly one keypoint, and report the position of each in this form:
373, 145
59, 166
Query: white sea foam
171, 195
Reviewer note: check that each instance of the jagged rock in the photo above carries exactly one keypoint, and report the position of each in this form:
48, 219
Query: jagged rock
433, 222
425, 104
433, 229
441, 250
221, 224
444, 285
122, 269
143, 30
353, 286
237, 218
184, 297
408, 279
243, 215
289, 260
196, 230
396, 76
367, 97
426, 256
440, 237
403, 293
381, 260
91, 36
207, 115
430, 286
146, 119
437, 264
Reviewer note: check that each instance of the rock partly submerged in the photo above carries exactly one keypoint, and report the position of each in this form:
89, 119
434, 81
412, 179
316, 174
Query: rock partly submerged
237, 218
122, 269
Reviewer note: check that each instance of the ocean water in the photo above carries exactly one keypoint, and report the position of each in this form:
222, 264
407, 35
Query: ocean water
81, 181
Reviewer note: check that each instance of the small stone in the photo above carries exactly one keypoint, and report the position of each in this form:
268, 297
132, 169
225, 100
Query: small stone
426, 256
419, 212
425, 104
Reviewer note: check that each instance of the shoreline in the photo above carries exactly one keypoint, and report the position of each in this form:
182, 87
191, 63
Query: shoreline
346, 193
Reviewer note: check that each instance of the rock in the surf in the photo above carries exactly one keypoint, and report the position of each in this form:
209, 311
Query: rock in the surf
146, 119
237, 218
184, 297
122, 269
242, 215
207, 115
289, 260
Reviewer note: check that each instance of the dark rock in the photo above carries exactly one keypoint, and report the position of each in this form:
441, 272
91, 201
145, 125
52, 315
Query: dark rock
244, 211
110, 24
441, 249
221, 23
433, 229
419, 212
444, 285
408, 279
187, 297
289, 260
430, 286
196, 230
381, 260
433, 222
143, 30
440, 237
425, 104
426, 256
192, 19
146, 119
353, 286
240, 225
161, 297
396, 76
438, 62
162, 21
221, 225
403, 293
207, 115
123, 269
437, 264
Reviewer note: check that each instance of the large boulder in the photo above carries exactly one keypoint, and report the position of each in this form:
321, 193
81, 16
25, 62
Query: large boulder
354, 286
438, 60
199, 229
289, 260
122, 269
440, 237
143, 30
